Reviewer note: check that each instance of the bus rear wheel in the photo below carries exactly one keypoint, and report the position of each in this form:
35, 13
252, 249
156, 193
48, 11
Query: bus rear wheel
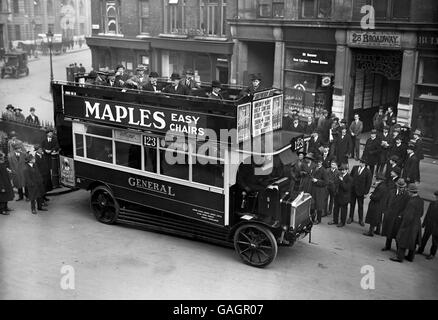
105, 206
255, 245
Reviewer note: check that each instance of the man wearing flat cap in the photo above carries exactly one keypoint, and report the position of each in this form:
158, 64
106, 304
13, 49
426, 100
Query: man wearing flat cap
430, 225
409, 234
411, 170
176, 87
361, 185
216, 88
377, 205
397, 202
153, 84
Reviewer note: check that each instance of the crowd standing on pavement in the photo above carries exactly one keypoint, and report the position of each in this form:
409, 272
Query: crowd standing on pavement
388, 173
27, 169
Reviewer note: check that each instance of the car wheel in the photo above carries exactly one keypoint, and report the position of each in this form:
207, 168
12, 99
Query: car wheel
255, 244
105, 206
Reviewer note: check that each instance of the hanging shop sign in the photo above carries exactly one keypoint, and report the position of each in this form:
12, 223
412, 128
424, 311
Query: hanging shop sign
374, 39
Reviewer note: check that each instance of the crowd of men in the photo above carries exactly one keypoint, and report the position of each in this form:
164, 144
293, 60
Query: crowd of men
388, 172
149, 81
29, 172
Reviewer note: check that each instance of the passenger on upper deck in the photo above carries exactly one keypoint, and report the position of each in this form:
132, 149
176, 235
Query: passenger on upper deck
176, 87
121, 76
254, 87
216, 87
139, 80
152, 85
189, 81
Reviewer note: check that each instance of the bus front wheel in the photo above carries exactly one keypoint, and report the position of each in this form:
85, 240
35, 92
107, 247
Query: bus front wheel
255, 245
105, 206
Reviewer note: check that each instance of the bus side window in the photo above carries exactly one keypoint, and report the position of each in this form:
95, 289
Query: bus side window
180, 169
207, 171
99, 149
79, 145
150, 159
128, 155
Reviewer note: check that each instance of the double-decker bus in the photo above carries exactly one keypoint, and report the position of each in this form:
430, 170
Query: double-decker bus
216, 170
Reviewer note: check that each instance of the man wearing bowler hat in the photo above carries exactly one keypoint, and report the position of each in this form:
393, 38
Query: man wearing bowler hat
398, 148
34, 183
430, 225
256, 85
411, 170
362, 179
153, 84
397, 200
377, 205
216, 88
343, 196
176, 87
371, 152
409, 234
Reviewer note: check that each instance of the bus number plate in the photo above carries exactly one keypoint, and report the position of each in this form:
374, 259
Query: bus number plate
298, 143
150, 141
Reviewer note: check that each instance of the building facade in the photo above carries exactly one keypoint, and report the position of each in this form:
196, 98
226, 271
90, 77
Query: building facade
167, 35
317, 51
22, 20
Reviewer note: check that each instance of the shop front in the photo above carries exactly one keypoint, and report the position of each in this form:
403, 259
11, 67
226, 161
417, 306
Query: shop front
425, 110
309, 71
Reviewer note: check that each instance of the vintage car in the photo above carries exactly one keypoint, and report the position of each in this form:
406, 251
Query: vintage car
15, 64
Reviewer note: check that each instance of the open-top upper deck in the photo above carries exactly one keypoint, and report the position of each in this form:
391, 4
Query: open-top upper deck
237, 119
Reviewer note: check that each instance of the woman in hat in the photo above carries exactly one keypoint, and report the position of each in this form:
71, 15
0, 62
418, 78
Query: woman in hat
19, 116
377, 205
34, 184
10, 113
409, 234
6, 191
397, 201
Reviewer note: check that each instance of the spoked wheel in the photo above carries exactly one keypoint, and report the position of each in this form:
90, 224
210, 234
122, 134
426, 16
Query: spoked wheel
104, 205
255, 245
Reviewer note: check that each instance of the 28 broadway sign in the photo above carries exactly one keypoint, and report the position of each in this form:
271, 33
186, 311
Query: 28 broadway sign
374, 39
140, 117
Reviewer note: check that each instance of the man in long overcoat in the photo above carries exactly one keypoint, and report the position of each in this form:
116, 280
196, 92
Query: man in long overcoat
411, 170
371, 152
430, 225
306, 171
409, 234
332, 175
377, 205
6, 191
343, 146
319, 189
398, 199
343, 195
17, 164
43, 169
362, 179
34, 184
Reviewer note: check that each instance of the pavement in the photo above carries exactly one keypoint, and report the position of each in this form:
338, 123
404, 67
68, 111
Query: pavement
119, 262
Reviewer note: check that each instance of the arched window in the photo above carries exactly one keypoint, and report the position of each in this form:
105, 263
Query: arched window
112, 17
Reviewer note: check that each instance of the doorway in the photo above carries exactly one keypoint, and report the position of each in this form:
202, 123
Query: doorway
375, 82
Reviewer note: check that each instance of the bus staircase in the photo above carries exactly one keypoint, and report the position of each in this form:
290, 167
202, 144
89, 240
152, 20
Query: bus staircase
169, 223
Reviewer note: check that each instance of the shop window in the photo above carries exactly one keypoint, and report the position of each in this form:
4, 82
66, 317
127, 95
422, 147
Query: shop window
99, 149
144, 16
270, 8
213, 15
208, 173
175, 16
112, 17
320, 9
79, 145
128, 155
